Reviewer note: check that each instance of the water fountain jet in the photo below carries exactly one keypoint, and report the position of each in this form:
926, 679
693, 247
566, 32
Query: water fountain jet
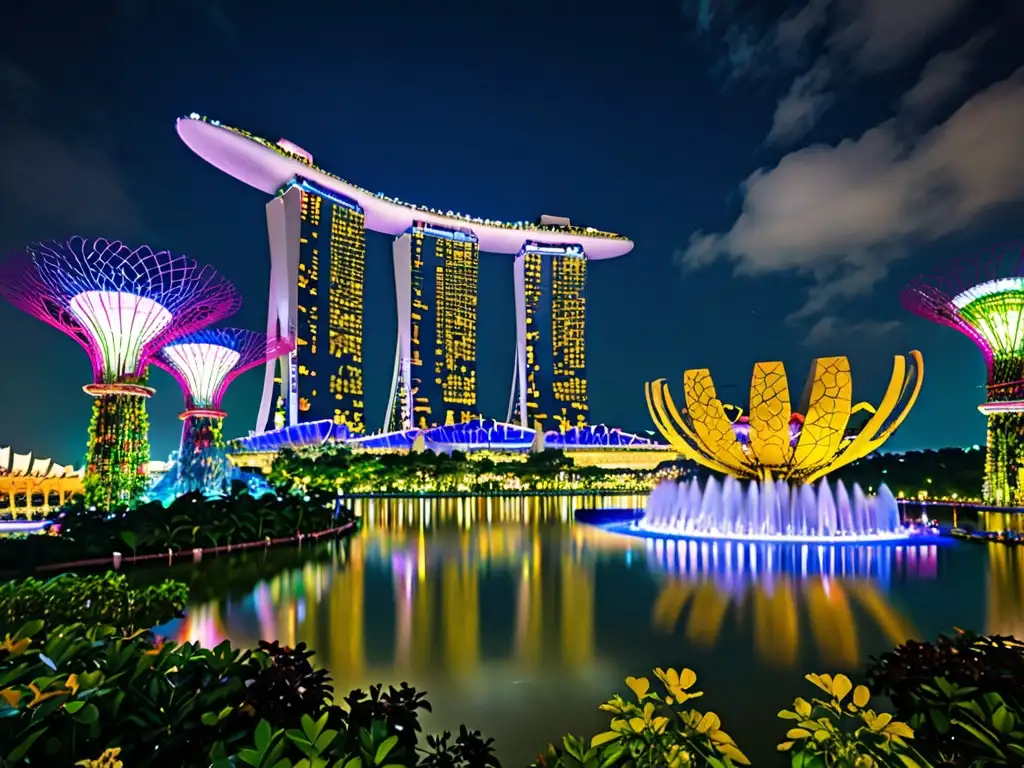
772, 510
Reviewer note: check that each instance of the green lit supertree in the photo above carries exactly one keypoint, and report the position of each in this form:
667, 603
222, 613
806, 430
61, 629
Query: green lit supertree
122, 305
983, 298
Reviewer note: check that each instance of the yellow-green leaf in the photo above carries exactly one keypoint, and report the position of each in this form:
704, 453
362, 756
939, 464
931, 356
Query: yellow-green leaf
822, 681
841, 686
802, 707
896, 728
721, 737
909, 762
878, 722
619, 724
659, 724
637, 724
639, 685
785, 746
604, 738
668, 676
709, 722
687, 678
861, 696
733, 753
797, 733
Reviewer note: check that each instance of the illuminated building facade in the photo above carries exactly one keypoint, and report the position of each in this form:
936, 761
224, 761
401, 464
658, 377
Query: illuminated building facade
304, 389
436, 279
983, 298
549, 387
318, 258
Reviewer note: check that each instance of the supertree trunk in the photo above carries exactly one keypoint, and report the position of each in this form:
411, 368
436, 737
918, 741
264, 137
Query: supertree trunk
1004, 484
118, 452
202, 458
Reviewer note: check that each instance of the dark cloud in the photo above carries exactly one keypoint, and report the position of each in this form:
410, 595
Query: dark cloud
798, 111
828, 328
878, 35
945, 75
839, 214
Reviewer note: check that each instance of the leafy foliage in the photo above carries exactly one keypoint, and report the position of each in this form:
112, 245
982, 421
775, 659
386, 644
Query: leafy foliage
98, 599
655, 730
289, 687
192, 521
843, 732
87, 691
992, 664
335, 467
963, 695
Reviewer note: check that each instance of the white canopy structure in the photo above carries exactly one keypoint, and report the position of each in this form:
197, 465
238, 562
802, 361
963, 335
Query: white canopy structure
23, 465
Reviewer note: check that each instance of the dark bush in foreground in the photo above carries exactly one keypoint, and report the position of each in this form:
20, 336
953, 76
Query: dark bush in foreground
87, 690
963, 695
90, 696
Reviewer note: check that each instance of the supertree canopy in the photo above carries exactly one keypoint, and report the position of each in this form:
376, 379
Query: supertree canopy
983, 298
122, 305
205, 363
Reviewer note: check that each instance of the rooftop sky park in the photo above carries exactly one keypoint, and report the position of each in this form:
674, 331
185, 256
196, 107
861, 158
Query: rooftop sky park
316, 225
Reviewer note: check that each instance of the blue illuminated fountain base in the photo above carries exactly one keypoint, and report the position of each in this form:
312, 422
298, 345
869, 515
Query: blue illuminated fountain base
771, 511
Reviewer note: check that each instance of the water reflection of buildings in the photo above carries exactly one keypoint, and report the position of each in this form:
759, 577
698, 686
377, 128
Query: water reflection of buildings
450, 592
782, 590
1005, 590
423, 589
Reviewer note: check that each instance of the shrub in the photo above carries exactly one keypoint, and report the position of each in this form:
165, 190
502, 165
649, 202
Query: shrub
88, 695
963, 695
845, 733
655, 730
192, 521
98, 599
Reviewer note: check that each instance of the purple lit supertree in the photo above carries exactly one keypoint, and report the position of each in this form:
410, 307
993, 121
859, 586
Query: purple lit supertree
205, 363
983, 298
122, 305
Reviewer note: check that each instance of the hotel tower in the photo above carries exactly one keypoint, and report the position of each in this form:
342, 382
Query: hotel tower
317, 224
318, 258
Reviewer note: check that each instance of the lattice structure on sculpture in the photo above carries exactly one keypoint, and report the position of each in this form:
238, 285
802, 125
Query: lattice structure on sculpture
773, 441
204, 364
121, 305
983, 298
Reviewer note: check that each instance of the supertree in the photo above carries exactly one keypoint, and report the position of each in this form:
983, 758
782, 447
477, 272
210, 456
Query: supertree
983, 298
205, 363
122, 305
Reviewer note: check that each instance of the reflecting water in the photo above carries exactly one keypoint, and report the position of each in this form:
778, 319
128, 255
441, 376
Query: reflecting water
519, 623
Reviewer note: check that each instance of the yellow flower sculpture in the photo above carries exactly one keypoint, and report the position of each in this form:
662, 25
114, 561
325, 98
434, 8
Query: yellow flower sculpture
774, 441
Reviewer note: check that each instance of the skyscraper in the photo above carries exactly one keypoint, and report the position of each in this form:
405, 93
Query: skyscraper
550, 385
316, 224
436, 277
318, 258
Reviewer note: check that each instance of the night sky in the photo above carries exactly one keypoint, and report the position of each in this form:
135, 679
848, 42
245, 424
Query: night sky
783, 169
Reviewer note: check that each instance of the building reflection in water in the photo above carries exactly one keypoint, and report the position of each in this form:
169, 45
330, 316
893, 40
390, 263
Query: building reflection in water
786, 589
1005, 590
440, 591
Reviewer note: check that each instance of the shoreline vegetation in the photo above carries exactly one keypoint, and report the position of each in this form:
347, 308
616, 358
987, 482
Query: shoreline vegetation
191, 524
102, 691
337, 468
